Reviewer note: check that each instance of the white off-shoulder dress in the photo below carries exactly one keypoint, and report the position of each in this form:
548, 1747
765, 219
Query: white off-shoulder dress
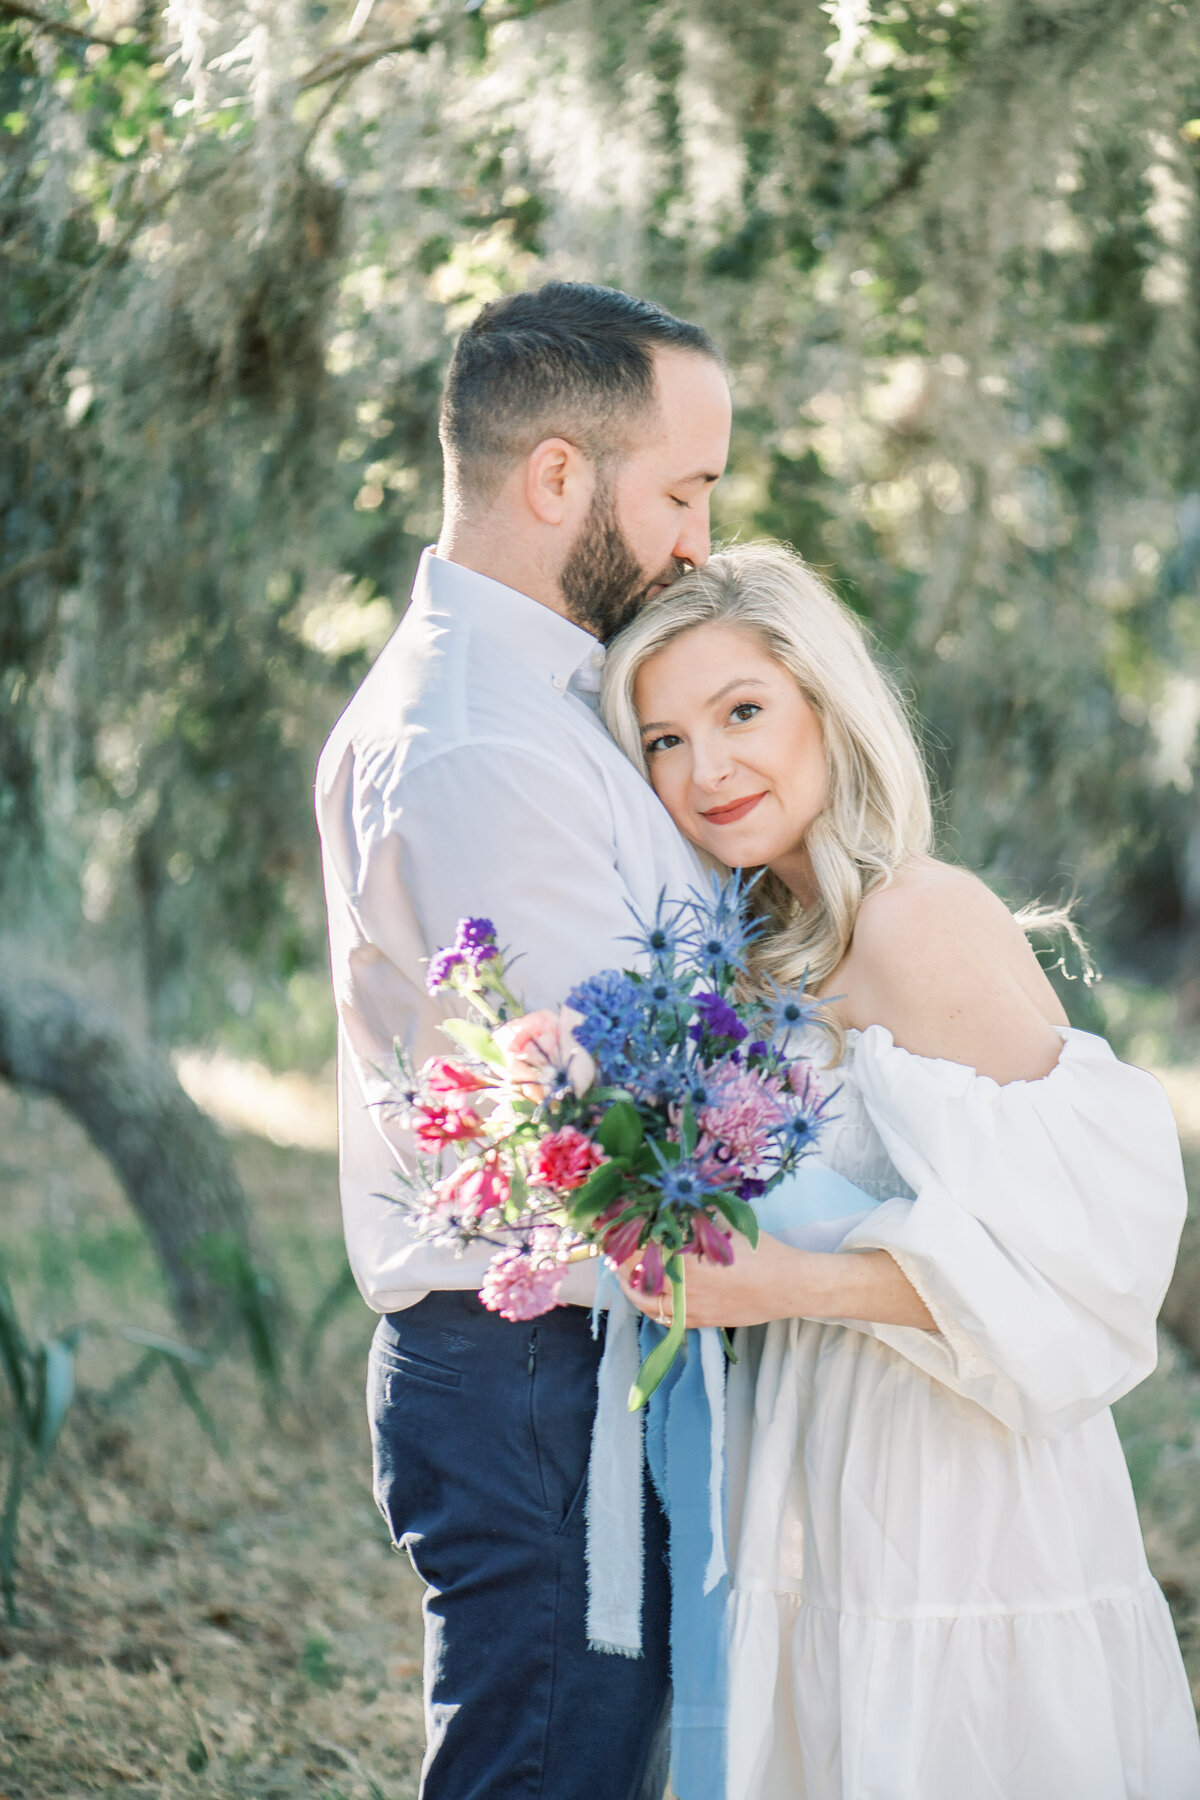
939, 1585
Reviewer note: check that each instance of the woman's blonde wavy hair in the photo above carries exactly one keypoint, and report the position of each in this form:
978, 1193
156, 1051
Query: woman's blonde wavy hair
876, 815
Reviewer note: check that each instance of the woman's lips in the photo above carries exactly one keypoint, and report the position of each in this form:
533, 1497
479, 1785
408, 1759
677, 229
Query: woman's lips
735, 810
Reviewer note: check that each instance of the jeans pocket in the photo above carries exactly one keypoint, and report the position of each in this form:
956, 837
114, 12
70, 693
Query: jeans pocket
396, 1361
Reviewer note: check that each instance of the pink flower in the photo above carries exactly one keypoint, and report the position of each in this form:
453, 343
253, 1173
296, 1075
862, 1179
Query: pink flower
710, 1240
740, 1113
565, 1159
451, 1080
436, 1126
649, 1275
540, 1051
522, 1284
473, 1189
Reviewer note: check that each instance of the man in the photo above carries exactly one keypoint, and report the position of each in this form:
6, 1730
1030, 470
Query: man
582, 431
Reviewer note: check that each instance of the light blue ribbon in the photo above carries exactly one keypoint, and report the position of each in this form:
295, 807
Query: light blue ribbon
812, 1209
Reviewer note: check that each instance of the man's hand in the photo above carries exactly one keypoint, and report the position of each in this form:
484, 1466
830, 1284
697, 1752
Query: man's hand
777, 1281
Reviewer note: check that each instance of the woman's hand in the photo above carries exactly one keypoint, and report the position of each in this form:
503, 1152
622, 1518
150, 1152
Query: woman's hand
777, 1281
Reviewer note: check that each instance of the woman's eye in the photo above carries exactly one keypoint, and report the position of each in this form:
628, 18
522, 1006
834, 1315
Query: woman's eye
678, 502
745, 711
667, 741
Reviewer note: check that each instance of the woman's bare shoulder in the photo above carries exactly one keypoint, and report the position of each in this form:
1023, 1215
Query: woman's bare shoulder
940, 961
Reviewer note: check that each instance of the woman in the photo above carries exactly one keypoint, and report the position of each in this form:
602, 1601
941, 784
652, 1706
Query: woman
939, 1585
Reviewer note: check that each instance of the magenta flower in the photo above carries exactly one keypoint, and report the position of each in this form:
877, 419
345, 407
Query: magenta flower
709, 1240
522, 1283
649, 1276
451, 1080
622, 1241
437, 1126
472, 1190
565, 1159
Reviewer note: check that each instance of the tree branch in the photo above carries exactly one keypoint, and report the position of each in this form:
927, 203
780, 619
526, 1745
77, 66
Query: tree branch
15, 9
336, 68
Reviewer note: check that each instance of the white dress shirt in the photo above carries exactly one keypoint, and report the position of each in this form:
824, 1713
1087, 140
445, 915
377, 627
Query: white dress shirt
470, 775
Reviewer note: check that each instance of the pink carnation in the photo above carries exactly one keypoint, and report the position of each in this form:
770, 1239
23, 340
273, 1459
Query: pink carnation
565, 1159
739, 1116
522, 1284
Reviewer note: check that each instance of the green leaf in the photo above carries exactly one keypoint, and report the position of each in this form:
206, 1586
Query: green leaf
14, 1353
475, 1038
741, 1216
663, 1354
598, 1191
620, 1130
166, 1346
58, 1391
191, 1395
687, 1130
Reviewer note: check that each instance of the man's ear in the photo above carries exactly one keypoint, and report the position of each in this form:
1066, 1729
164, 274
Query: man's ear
558, 481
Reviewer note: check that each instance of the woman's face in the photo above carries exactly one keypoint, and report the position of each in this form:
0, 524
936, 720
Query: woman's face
735, 752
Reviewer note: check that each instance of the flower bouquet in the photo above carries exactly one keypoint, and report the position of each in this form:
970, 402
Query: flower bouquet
641, 1119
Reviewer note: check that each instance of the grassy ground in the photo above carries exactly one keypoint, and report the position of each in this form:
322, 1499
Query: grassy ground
200, 1622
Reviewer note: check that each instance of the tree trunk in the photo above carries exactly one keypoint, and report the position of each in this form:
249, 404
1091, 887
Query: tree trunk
171, 1160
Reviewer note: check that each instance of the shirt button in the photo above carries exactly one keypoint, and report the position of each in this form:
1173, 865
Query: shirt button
597, 657
558, 682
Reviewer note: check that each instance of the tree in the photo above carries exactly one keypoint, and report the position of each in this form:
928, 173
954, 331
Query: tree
171, 1159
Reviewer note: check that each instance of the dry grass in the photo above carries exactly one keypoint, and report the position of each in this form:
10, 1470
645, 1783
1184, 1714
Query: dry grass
200, 1624
197, 1623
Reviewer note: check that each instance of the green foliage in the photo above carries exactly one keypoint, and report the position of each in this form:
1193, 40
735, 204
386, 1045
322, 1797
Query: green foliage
949, 248
40, 1373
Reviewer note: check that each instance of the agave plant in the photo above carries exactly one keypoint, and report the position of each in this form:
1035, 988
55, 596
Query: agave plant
41, 1382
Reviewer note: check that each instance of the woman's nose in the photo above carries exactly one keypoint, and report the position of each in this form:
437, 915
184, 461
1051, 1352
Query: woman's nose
711, 764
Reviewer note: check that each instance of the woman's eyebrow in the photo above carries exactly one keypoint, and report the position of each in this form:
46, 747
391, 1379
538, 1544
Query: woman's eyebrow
737, 682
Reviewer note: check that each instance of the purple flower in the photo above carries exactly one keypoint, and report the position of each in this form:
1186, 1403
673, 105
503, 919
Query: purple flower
717, 1019
475, 935
441, 967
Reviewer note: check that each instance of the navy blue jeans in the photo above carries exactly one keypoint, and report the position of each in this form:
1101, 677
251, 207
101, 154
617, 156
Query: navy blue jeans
480, 1434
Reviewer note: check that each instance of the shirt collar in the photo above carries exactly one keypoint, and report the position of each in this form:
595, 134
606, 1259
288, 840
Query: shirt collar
561, 652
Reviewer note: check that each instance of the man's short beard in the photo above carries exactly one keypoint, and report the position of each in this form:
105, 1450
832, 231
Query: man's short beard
602, 582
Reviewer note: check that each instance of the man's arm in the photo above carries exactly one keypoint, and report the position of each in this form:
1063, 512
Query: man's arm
487, 828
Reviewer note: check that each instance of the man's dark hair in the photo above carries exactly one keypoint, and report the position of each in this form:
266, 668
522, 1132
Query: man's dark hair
565, 360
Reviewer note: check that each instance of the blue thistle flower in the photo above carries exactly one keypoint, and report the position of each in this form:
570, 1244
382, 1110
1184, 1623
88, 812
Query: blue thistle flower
787, 1010
682, 1184
663, 938
721, 930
